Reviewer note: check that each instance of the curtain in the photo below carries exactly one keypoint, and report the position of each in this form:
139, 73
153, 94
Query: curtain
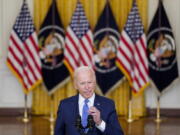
42, 102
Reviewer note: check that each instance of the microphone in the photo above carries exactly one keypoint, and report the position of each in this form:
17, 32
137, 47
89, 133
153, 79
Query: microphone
80, 128
91, 122
78, 124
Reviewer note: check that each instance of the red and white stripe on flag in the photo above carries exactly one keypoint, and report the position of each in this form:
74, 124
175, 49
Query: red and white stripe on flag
78, 41
131, 54
23, 59
133, 61
78, 51
23, 54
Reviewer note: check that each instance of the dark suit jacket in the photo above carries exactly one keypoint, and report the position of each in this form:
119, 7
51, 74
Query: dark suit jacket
69, 110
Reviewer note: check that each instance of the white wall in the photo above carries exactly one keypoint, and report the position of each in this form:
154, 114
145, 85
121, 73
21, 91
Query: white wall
10, 89
1, 3
170, 98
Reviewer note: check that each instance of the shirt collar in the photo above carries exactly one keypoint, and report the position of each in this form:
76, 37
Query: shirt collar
91, 99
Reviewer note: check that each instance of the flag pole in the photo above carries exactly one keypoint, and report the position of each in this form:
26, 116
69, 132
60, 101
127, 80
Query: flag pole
25, 118
130, 119
158, 98
158, 119
158, 128
52, 128
52, 119
25, 129
107, 17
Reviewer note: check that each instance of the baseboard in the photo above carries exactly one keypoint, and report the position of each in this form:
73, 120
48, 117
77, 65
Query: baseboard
168, 112
12, 111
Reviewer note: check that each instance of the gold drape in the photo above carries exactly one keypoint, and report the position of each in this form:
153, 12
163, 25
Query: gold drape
93, 8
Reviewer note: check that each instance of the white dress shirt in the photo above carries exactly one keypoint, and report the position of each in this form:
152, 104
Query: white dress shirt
101, 126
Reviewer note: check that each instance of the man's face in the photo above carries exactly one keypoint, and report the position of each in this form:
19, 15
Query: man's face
85, 83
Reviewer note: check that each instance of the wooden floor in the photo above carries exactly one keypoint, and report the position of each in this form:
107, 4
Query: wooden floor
41, 126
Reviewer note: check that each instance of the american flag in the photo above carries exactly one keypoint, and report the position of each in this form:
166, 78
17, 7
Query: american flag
23, 55
131, 54
78, 41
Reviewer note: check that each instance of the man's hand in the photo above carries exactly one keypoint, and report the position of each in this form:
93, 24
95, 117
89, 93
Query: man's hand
96, 115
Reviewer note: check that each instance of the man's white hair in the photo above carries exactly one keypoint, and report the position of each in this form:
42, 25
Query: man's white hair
84, 68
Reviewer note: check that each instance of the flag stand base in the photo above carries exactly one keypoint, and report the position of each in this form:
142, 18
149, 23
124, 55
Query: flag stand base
158, 120
25, 120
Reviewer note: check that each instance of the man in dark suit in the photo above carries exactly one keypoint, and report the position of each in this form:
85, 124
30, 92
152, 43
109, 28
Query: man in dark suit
72, 114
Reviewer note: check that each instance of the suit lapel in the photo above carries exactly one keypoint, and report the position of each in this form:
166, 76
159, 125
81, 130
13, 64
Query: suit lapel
97, 102
75, 105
